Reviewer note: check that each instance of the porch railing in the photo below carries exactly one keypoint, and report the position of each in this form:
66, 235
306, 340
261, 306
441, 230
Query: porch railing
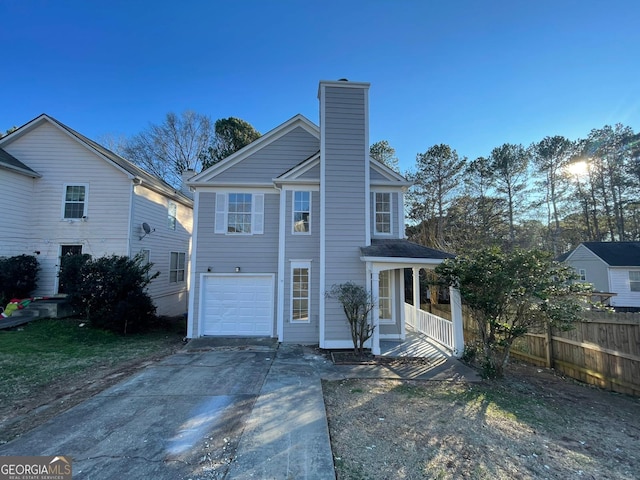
438, 328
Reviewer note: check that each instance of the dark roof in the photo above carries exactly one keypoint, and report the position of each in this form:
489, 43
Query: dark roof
9, 161
616, 254
399, 248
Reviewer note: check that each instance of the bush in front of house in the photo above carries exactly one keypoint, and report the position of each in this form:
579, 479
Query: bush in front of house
110, 291
18, 277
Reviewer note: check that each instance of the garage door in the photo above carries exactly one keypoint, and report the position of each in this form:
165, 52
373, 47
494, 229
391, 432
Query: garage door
240, 305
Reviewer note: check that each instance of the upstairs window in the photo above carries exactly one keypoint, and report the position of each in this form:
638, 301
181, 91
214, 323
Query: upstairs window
172, 210
239, 213
177, 267
75, 201
634, 280
382, 212
301, 212
582, 273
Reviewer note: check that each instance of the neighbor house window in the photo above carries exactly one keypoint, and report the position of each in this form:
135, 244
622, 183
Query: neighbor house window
382, 206
176, 267
75, 201
582, 273
172, 210
634, 280
300, 275
301, 211
384, 297
239, 213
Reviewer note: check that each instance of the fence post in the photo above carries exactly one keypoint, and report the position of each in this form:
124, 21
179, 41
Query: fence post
456, 318
548, 345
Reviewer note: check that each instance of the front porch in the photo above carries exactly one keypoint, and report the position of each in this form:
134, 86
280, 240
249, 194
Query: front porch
415, 345
391, 316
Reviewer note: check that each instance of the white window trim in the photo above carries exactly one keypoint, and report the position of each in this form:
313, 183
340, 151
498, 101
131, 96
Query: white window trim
221, 221
375, 214
293, 211
632, 281
582, 273
392, 300
174, 217
86, 201
184, 269
300, 264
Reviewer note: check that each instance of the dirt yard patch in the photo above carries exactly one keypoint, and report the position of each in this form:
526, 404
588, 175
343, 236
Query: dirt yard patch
532, 425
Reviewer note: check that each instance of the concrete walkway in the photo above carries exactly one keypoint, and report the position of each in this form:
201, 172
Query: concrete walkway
177, 418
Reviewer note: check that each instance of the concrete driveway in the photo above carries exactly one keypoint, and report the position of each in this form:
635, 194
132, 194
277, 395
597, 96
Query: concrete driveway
181, 418
220, 408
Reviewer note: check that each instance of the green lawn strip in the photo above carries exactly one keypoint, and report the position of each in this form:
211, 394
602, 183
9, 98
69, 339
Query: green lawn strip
48, 351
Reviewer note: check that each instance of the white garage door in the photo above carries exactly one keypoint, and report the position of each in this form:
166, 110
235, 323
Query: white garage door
239, 305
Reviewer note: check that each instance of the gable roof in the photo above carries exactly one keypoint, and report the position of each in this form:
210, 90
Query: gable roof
616, 254
394, 177
10, 162
124, 165
266, 139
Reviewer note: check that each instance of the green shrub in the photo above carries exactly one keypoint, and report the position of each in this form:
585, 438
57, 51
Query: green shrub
18, 277
110, 291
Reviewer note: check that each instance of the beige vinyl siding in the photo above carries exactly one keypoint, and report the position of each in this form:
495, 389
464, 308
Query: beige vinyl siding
302, 247
61, 160
16, 216
223, 253
273, 160
152, 208
345, 153
620, 284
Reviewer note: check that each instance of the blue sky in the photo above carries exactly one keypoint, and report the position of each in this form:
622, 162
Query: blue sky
472, 74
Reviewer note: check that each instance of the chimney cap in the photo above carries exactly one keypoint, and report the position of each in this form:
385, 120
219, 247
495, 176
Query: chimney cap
343, 79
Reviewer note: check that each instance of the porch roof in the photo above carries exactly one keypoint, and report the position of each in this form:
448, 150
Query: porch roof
398, 250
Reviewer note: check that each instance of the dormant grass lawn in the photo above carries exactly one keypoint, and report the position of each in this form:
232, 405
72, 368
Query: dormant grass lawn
48, 358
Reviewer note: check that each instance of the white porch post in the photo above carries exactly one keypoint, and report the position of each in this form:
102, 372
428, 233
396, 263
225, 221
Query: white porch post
416, 291
456, 317
375, 289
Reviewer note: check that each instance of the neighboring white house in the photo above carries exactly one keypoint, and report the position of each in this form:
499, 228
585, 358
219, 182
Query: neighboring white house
63, 194
302, 208
611, 267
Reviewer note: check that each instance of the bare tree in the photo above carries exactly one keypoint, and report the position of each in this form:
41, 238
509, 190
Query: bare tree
170, 148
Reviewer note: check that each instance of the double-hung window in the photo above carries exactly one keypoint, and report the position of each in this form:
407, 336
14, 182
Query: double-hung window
172, 210
301, 212
177, 267
75, 202
300, 291
239, 213
382, 213
634, 280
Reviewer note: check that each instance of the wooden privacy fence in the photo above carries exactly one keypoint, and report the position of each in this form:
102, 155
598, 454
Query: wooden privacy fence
603, 349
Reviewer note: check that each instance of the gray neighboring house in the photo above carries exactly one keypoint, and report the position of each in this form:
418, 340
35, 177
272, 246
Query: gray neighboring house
300, 209
611, 267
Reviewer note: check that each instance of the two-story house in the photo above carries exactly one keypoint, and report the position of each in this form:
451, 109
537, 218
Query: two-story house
301, 209
613, 268
64, 194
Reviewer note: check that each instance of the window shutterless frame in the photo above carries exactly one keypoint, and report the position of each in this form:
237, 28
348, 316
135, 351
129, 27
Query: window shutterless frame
75, 197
